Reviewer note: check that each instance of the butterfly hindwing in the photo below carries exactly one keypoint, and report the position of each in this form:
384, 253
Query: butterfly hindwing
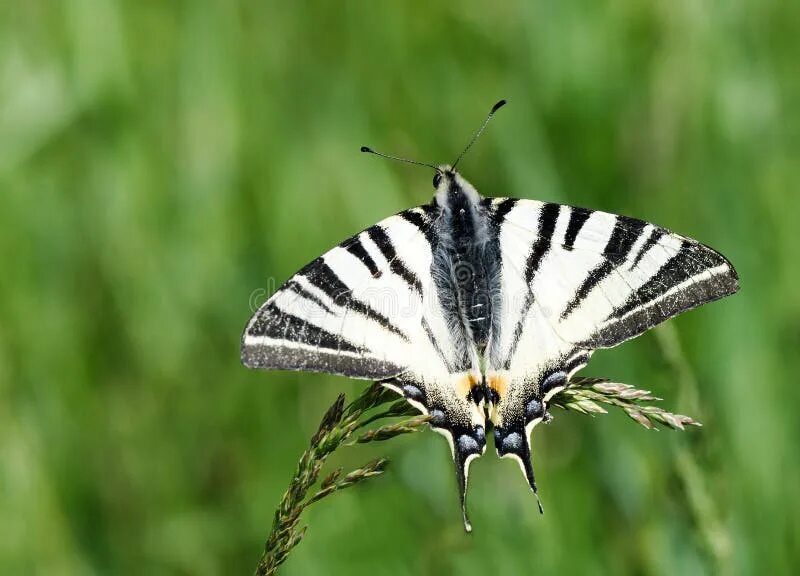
574, 280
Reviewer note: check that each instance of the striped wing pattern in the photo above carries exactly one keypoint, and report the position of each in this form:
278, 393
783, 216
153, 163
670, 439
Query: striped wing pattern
368, 309
569, 281
574, 280
358, 310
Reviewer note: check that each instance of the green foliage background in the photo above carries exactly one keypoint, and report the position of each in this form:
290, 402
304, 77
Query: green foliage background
162, 164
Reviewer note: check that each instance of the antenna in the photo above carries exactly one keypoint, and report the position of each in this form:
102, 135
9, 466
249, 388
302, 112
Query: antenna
477, 134
406, 160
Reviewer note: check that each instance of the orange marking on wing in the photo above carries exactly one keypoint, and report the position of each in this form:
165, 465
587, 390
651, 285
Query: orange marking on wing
498, 383
465, 383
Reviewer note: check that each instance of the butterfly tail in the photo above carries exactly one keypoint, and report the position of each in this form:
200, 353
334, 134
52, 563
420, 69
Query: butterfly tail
467, 445
513, 442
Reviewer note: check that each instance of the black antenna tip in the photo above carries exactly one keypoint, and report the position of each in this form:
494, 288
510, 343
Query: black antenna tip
497, 106
366, 149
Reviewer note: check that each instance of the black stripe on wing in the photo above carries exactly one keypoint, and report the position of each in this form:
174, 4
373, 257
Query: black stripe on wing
544, 238
577, 218
423, 221
547, 227
356, 248
624, 235
274, 323
281, 357
381, 239
681, 284
429, 333
651, 241
294, 286
501, 209
323, 277
294, 344
686, 263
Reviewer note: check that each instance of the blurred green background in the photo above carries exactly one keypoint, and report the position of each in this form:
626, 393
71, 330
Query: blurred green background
162, 164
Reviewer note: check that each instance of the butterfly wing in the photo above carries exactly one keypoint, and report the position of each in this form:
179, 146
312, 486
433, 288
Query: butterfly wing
369, 309
352, 311
574, 280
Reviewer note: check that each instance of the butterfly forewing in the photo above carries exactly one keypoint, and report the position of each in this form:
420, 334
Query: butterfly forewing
355, 311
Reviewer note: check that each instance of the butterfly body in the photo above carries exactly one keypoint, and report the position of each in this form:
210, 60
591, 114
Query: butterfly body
479, 310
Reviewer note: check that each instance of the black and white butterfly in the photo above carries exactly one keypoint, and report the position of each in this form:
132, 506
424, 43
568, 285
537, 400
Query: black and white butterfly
478, 310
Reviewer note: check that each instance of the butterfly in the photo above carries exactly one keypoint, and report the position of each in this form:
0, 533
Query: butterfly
479, 310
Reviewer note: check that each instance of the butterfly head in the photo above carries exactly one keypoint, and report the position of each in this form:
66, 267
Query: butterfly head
453, 192
444, 174
446, 181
